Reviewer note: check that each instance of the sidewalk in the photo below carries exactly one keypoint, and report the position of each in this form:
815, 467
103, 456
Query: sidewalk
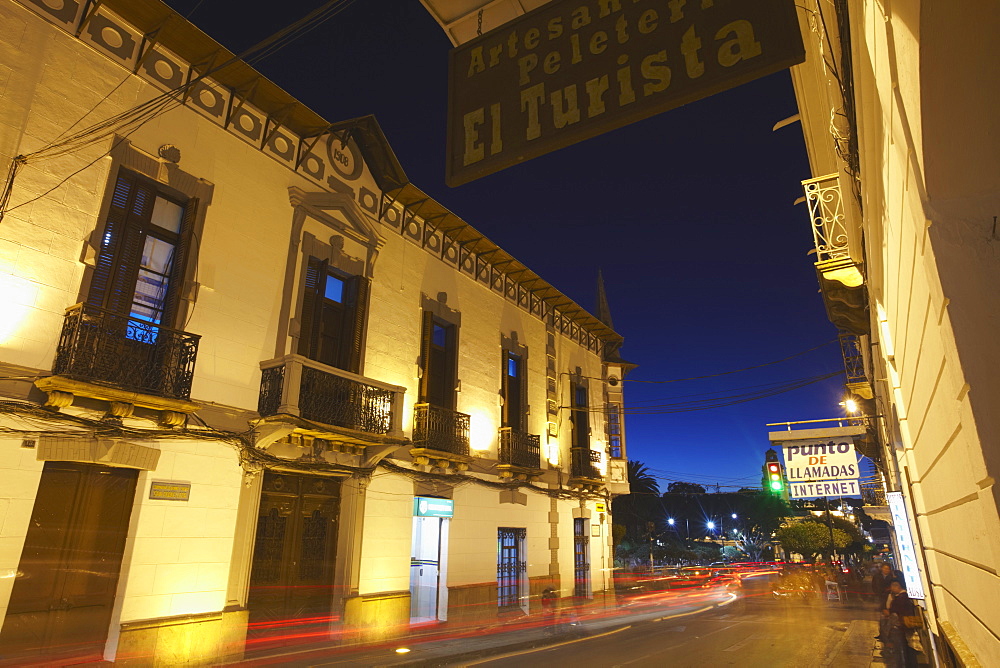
882, 656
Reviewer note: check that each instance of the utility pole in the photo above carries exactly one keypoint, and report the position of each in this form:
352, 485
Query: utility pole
649, 527
829, 524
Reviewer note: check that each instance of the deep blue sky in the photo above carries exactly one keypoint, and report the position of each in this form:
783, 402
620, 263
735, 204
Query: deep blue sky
689, 214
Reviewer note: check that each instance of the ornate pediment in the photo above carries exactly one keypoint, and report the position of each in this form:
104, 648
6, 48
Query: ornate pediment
340, 212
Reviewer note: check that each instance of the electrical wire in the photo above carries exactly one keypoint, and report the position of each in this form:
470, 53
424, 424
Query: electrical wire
727, 373
705, 394
732, 400
39, 421
711, 402
132, 119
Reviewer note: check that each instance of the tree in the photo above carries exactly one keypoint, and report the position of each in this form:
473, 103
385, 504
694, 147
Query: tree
640, 507
754, 543
685, 488
810, 538
856, 542
766, 512
731, 553
640, 481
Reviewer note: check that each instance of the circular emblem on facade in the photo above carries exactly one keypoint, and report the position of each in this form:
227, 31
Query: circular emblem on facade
343, 158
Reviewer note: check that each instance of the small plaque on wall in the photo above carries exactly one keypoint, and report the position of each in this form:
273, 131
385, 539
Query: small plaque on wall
170, 490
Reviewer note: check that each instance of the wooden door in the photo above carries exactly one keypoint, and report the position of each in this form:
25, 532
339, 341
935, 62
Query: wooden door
292, 576
63, 595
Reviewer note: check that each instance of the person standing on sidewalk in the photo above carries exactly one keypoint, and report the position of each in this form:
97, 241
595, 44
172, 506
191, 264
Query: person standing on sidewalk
880, 589
549, 609
898, 607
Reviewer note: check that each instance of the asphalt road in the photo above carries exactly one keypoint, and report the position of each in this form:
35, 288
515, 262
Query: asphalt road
757, 631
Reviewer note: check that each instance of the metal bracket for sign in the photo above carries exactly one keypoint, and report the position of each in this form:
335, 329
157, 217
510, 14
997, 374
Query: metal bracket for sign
240, 95
303, 154
148, 43
473, 240
278, 119
487, 254
430, 220
532, 283
201, 69
385, 205
88, 13
415, 207
519, 272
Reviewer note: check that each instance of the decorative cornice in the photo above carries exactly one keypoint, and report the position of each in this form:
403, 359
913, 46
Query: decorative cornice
81, 388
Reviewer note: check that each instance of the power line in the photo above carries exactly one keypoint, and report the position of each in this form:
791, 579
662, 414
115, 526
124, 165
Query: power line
726, 373
732, 400
132, 119
768, 390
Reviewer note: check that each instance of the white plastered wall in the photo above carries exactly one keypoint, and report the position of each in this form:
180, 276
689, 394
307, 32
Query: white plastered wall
941, 457
178, 552
20, 473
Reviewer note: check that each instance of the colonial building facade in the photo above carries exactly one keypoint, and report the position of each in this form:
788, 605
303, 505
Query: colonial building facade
898, 112
251, 374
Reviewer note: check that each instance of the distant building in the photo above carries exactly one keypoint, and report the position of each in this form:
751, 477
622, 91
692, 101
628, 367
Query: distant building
898, 110
251, 374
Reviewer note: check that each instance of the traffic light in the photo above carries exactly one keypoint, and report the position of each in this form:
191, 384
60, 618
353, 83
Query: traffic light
773, 477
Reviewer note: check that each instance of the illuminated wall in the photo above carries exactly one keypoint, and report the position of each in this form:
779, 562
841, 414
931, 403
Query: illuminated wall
20, 473
929, 190
179, 555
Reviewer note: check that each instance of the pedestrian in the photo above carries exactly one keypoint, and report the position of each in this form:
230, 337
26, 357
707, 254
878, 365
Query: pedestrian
880, 590
548, 606
898, 608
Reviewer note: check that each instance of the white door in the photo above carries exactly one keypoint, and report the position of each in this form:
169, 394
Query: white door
428, 567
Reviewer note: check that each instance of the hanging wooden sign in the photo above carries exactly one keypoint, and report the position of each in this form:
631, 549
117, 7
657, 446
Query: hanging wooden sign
573, 69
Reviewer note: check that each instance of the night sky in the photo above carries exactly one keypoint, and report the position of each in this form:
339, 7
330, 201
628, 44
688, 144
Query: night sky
688, 214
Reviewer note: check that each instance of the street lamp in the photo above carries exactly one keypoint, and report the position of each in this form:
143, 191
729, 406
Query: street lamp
850, 405
710, 525
670, 521
734, 516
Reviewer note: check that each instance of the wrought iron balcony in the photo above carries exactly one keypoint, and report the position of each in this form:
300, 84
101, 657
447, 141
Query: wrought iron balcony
826, 211
519, 449
441, 429
294, 385
840, 275
121, 351
584, 464
872, 494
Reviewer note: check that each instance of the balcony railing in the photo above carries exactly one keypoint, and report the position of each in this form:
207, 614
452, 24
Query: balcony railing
440, 429
854, 361
122, 351
826, 211
298, 386
872, 494
520, 449
584, 464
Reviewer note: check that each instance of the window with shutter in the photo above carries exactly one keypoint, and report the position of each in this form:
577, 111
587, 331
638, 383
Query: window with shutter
139, 270
439, 357
513, 389
581, 417
334, 313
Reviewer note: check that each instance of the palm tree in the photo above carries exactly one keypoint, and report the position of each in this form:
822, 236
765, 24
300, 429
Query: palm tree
639, 508
640, 481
